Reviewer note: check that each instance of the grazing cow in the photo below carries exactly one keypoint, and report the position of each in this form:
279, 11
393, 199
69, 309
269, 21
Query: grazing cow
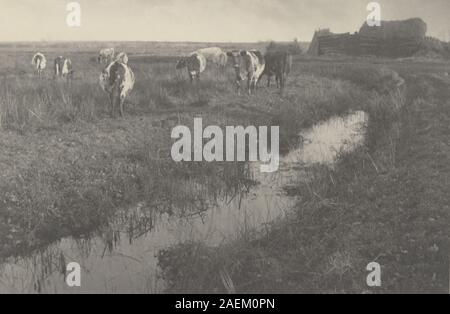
39, 62
106, 56
122, 57
195, 64
117, 79
63, 68
278, 63
215, 56
247, 64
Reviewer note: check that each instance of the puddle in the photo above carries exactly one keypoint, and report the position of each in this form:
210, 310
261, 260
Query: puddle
121, 259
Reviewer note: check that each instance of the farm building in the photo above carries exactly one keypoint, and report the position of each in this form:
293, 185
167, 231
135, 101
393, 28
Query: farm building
392, 39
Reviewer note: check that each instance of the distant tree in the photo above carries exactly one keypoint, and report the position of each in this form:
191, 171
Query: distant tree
293, 47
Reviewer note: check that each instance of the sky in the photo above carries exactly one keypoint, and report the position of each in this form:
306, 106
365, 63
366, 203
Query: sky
206, 20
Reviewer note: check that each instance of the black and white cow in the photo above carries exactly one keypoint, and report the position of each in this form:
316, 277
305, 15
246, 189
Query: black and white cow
117, 79
39, 62
63, 68
195, 64
247, 65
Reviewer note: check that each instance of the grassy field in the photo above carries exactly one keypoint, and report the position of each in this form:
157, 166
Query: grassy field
66, 166
386, 202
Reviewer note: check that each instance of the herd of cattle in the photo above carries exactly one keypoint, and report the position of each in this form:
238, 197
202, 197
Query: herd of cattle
117, 79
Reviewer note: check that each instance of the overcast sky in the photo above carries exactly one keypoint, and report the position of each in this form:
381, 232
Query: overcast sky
206, 20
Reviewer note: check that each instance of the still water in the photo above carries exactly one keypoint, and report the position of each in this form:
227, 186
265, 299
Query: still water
122, 257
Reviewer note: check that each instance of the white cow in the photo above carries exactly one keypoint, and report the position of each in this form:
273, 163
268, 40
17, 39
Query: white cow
117, 79
248, 65
106, 56
39, 62
215, 56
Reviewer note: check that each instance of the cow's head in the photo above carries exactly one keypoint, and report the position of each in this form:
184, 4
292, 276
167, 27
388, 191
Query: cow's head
182, 63
235, 58
193, 64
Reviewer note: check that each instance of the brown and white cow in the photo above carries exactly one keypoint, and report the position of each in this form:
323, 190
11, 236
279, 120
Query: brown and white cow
247, 65
278, 63
63, 68
39, 62
106, 56
195, 64
117, 79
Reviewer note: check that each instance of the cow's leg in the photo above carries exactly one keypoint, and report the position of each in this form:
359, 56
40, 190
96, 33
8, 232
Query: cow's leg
249, 83
122, 100
112, 103
282, 82
255, 86
269, 78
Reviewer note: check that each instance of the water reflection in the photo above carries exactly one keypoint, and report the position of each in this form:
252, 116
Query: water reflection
121, 258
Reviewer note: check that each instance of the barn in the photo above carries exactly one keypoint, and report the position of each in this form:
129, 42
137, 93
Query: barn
392, 39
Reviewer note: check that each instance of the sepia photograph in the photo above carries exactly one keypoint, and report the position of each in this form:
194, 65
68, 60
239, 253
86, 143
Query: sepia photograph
224, 147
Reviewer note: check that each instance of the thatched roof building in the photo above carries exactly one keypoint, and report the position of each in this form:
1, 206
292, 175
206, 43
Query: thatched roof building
392, 39
407, 29
314, 46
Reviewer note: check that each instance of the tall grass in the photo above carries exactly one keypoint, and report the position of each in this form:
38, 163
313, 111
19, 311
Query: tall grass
313, 249
81, 166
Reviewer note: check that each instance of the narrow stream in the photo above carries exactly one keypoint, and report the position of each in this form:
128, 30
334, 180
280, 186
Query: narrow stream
117, 262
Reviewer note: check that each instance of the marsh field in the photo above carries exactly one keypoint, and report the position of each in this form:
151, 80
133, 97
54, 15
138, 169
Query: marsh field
364, 177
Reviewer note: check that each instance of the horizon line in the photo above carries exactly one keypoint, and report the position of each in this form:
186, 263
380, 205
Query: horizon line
149, 41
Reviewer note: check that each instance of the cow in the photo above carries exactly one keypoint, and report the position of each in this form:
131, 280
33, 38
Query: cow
278, 63
122, 57
248, 64
215, 56
106, 56
39, 62
117, 79
195, 64
63, 68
